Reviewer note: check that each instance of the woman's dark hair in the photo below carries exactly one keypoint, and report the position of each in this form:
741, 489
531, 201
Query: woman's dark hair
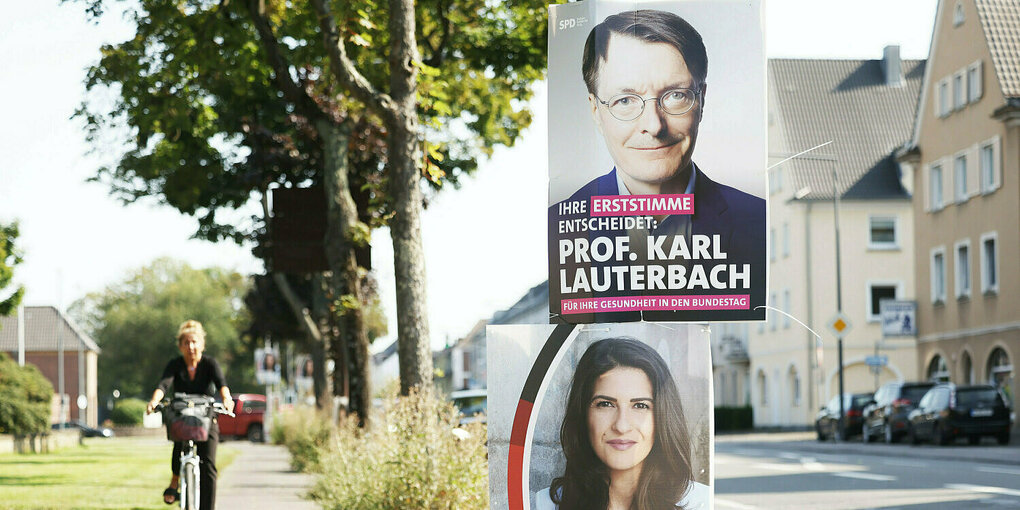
666, 472
652, 27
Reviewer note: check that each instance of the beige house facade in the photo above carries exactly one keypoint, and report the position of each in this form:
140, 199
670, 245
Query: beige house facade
965, 147
854, 113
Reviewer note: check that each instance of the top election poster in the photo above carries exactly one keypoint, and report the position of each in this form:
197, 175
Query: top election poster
657, 161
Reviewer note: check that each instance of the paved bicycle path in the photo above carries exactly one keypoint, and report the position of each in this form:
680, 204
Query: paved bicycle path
261, 477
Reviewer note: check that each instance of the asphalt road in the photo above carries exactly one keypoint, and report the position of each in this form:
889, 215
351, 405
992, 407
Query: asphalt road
763, 473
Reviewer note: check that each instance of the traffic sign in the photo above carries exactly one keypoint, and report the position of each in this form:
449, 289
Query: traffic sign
877, 361
839, 324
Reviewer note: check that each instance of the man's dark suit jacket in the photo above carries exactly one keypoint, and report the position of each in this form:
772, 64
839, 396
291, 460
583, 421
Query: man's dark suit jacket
737, 217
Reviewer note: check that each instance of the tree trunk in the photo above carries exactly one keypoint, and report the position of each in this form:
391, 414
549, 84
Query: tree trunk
320, 312
414, 349
343, 234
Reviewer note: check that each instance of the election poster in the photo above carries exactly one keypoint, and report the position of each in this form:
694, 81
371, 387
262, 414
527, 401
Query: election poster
657, 161
267, 366
579, 401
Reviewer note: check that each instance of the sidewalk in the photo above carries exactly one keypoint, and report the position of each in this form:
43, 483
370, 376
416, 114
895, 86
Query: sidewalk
261, 477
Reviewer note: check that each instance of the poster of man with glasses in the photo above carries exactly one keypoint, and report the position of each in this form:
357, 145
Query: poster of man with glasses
642, 226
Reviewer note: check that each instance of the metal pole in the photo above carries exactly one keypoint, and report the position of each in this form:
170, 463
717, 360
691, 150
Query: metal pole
839, 295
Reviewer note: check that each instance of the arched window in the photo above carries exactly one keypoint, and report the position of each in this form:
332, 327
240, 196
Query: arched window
967, 368
762, 389
1000, 370
793, 382
937, 369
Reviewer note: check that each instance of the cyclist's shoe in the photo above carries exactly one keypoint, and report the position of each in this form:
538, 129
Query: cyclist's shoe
171, 492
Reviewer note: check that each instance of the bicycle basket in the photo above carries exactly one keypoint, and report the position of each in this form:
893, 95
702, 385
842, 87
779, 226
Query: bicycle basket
189, 419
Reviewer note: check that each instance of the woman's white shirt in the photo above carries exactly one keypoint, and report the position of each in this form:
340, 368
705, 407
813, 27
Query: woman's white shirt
699, 497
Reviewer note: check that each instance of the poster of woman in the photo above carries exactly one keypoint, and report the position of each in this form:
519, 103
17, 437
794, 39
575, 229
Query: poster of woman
600, 416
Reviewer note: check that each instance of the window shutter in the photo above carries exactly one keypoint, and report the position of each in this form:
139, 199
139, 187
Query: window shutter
997, 163
973, 171
979, 85
926, 187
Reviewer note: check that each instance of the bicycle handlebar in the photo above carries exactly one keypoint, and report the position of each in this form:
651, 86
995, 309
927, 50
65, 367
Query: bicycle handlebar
217, 407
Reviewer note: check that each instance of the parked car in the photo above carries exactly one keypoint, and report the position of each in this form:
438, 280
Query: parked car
86, 431
948, 412
250, 412
886, 416
827, 420
471, 403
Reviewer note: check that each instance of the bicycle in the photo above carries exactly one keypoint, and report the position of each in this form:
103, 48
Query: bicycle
188, 418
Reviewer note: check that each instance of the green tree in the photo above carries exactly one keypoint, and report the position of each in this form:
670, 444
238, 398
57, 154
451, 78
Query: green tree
135, 322
224, 98
9, 257
25, 397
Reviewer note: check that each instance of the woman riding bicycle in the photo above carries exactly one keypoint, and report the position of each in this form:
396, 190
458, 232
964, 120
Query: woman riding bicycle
194, 373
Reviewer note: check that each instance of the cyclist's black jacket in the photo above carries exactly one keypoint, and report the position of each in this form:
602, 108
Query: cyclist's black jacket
208, 377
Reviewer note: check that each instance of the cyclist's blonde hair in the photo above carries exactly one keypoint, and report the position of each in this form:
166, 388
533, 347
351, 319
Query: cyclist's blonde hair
190, 327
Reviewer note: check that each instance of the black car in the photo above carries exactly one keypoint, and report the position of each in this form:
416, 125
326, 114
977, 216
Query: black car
86, 431
826, 422
948, 412
886, 417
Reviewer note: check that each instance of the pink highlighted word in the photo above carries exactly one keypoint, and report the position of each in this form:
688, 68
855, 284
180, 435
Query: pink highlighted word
643, 205
638, 303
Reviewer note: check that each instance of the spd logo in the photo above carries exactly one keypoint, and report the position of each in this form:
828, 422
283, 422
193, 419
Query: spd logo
572, 23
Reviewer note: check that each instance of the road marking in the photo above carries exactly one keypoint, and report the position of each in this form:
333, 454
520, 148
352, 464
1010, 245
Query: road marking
905, 463
1005, 471
748, 452
779, 467
724, 503
984, 489
789, 456
866, 476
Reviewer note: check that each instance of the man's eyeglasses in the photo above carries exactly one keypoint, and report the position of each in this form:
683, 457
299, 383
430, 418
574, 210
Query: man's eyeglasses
627, 107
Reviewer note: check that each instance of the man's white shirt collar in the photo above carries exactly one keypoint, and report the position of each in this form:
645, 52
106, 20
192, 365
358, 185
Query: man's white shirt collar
622, 188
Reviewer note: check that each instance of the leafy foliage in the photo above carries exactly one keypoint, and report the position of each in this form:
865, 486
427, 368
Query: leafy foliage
128, 411
414, 455
9, 257
25, 397
135, 322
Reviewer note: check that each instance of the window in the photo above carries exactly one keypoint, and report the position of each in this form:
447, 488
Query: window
960, 177
974, 82
963, 269
936, 188
1000, 370
967, 368
958, 16
786, 239
988, 159
938, 275
944, 98
772, 244
937, 370
877, 291
794, 379
775, 180
762, 389
786, 308
989, 263
882, 233
773, 302
959, 91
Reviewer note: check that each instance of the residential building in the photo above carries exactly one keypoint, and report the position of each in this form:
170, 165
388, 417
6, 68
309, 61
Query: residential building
50, 339
850, 115
964, 147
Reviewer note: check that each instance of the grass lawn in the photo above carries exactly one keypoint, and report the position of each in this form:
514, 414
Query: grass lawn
104, 473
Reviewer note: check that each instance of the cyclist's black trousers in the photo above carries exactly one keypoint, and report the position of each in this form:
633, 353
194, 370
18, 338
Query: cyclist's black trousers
207, 467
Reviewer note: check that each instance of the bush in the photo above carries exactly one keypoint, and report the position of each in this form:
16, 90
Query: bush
414, 454
128, 412
306, 434
25, 397
733, 418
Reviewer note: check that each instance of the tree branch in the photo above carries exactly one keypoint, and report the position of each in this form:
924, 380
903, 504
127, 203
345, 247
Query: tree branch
439, 53
344, 70
281, 69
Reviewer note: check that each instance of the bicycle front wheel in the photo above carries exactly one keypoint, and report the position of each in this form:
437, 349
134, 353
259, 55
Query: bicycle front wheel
191, 490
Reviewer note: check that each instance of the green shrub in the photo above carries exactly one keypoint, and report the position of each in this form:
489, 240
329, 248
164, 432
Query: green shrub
733, 418
306, 434
414, 454
25, 397
128, 412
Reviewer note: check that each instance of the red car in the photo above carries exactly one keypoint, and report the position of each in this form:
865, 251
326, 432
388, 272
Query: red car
250, 411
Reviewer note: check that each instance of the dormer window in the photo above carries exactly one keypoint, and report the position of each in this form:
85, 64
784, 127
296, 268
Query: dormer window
958, 14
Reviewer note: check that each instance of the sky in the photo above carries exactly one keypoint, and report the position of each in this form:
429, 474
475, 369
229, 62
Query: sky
484, 243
